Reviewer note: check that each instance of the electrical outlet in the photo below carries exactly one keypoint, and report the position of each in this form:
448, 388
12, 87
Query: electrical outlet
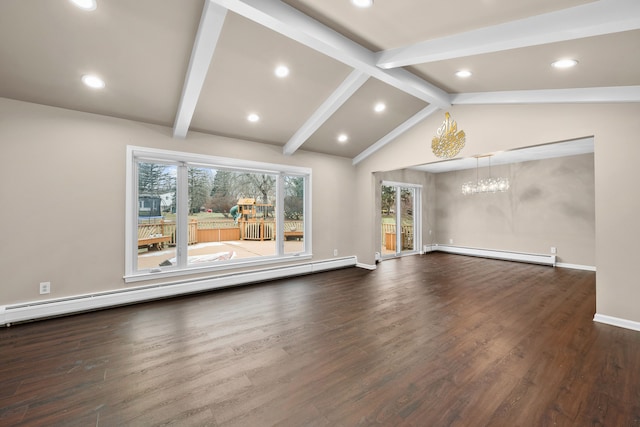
553, 249
335, 252
451, 241
45, 288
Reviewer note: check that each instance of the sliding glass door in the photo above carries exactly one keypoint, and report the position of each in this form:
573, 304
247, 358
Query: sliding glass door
400, 213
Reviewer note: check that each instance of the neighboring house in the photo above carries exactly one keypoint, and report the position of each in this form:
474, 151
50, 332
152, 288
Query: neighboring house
149, 206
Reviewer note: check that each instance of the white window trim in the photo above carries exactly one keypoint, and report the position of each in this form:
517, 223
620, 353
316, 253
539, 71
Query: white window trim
135, 153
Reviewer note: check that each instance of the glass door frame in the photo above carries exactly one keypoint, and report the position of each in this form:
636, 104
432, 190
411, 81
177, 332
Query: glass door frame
417, 219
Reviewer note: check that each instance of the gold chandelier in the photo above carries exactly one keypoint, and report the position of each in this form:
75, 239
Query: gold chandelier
448, 140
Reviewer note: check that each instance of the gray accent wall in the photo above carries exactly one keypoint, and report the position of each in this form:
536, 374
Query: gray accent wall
551, 203
491, 128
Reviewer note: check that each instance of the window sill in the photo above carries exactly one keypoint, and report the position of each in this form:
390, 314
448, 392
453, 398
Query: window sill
168, 273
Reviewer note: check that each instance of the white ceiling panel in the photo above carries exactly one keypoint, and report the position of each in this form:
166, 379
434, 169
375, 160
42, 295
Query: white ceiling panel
146, 50
242, 81
392, 24
609, 60
358, 119
140, 48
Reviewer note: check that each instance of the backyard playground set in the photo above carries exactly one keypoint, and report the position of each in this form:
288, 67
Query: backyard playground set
246, 222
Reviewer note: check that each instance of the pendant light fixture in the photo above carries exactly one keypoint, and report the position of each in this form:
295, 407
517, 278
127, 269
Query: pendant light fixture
485, 185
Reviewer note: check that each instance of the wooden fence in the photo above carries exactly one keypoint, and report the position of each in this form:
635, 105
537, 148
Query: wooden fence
266, 230
389, 236
164, 228
209, 230
218, 234
257, 230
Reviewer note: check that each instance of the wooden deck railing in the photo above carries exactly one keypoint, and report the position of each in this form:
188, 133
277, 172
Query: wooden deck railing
389, 236
266, 230
208, 230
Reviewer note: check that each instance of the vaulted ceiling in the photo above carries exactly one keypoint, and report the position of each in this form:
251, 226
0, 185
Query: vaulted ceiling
205, 65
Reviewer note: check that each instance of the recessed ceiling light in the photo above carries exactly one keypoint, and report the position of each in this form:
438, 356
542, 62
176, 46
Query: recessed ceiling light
282, 71
362, 3
253, 117
463, 74
93, 81
343, 137
85, 4
564, 63
379, 107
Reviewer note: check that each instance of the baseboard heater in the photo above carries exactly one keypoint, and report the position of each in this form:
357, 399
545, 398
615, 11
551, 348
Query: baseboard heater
81, 303
497, 254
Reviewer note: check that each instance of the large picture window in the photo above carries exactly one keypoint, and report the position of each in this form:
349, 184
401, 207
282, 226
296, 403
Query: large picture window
188, 213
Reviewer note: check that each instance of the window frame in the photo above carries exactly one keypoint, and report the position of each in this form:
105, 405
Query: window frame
183, 160
417, 216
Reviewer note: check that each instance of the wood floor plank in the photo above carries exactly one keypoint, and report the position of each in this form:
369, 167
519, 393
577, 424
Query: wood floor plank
437, 339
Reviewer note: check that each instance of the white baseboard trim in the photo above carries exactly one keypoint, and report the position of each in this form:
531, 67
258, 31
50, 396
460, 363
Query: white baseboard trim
576, 266
616, 321
497, 254
87, 302
366, 266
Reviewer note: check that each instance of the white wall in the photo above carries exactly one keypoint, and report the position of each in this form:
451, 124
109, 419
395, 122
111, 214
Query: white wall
62, 187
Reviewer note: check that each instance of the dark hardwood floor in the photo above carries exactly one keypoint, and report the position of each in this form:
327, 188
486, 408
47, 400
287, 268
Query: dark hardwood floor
433, 340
